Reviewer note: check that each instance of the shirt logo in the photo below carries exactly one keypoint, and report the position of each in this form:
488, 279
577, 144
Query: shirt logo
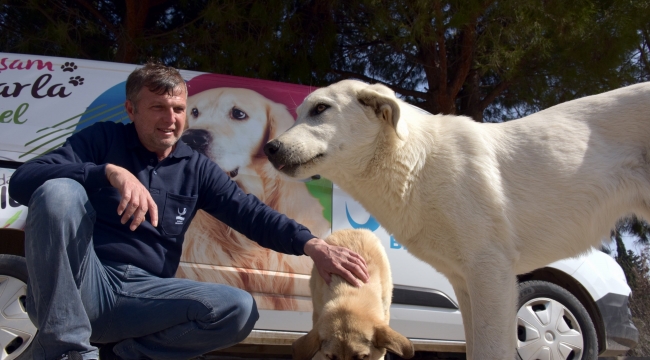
180, 219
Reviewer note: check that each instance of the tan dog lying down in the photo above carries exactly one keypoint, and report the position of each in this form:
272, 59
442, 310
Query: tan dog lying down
351, 322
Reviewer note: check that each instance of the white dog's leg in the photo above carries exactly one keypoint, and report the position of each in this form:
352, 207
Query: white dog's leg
462, 295
493, 295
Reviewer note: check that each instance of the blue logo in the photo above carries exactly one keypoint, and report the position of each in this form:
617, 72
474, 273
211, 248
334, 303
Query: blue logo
371, 224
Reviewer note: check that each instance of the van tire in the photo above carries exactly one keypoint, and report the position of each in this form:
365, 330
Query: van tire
13, 286
537, 300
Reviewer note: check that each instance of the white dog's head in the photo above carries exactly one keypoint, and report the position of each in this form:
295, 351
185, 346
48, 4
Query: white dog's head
337, 127
231, 125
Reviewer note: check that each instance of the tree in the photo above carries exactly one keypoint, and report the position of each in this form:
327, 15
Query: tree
639, 304
241, 37
626, 258
100, 30
486, 58
637, 272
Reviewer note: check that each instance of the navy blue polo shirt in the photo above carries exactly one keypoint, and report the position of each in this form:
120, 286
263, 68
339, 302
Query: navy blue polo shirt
180, 184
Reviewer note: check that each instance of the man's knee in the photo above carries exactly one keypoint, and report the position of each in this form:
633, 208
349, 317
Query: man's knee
247, 318
237, 318
58, 197
244, 314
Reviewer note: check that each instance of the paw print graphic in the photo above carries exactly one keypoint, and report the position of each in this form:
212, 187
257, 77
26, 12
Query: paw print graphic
69, 66
76, 80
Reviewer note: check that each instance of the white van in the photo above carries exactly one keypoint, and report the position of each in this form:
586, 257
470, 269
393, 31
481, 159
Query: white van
46, 99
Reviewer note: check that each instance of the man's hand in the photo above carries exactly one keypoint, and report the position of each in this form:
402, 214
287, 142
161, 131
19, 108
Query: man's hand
136, 200
331, 259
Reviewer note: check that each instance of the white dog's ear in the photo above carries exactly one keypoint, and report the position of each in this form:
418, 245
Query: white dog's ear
391, 340
305, 347
384, 105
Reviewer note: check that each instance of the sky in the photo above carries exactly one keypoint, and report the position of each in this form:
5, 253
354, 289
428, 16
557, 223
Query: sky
630, 244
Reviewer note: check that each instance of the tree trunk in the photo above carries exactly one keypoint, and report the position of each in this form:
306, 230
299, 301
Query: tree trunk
132, 30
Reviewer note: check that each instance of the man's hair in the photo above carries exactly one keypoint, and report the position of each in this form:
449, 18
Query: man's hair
158, 78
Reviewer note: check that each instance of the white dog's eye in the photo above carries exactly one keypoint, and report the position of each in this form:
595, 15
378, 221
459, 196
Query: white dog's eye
195, 112
318, 109
238, 114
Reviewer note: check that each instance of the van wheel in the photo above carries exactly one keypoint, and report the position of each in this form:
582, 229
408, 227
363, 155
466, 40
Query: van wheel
16, 330
553, 324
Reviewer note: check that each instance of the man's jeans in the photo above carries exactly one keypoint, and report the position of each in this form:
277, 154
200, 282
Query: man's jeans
75, 299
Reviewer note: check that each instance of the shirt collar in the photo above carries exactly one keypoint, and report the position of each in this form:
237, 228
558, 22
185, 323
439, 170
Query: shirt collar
133, 141
181, 150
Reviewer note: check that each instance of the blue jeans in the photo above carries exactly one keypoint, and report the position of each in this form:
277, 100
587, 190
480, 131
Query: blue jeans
74, 298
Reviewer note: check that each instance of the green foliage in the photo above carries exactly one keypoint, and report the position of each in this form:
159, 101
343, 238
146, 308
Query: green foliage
239, 37
466, 57
491, 60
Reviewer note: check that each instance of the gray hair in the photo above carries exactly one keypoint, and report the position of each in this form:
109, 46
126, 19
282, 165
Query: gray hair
158, 78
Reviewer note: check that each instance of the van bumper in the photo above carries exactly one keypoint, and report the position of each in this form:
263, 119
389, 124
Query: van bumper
620, 333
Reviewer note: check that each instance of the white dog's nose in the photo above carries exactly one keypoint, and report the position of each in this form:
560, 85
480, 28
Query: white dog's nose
272, 147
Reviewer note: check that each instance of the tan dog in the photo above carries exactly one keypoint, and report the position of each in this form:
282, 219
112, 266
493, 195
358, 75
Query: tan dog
230, 126
480, 202
351, 323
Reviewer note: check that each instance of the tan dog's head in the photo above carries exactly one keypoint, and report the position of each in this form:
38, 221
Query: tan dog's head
337, 127
231, 125
347, 331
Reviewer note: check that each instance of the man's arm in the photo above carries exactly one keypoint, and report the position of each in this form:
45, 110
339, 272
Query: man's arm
136, 200
223, 199
74, 160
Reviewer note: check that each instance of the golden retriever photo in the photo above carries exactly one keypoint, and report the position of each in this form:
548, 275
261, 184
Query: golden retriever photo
479, 202
230, 126
351, 323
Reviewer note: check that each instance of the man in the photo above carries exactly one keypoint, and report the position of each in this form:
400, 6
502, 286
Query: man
102, 241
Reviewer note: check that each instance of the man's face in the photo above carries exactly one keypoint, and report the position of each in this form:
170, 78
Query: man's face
158, 119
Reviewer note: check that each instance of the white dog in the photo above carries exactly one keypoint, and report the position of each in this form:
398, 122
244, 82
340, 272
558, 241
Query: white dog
480, 202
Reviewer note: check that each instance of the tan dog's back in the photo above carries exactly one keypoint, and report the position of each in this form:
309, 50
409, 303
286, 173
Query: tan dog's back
366, 244
351, 322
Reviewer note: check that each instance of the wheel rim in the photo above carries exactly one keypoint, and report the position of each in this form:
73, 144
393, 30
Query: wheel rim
547, 330
16, 330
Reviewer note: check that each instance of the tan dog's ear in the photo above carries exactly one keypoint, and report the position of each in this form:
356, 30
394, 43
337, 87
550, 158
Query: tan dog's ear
380, 99
391, 340
278, 121
305, 347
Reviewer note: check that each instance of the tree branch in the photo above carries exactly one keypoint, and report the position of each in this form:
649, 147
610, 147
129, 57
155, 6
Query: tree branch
643, 56
496, 91
174, 30
442, 50
99, 16
403, 91
468, 41
53, 21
